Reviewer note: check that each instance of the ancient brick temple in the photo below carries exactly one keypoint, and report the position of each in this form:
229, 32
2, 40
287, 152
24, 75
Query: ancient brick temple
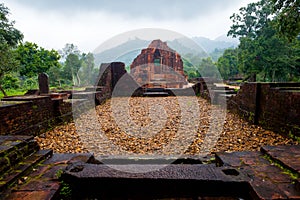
158, 66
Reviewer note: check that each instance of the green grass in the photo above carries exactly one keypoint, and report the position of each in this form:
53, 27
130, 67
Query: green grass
13, 93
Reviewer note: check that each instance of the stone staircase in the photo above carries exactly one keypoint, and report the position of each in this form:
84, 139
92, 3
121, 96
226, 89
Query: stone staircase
155, 92
220, 93
26, 172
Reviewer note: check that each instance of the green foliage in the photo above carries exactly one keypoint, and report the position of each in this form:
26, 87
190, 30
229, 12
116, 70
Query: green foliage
228, 64
127, 68
55, 76
8, 34
13, 92
199, 67
10, 81
293, 174
35, 59
65, 191
8, 62
9, 38
249, 21
288, 17
71, 68
262, 53
86, 72
216, 54
189, 68
207, 68
30, 83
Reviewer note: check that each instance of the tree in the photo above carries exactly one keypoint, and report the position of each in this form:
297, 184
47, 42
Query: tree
262, 53
251, 19
67, 50
228, 63
8, 34
86, 73
8, 63
208, 69
288, 17
9, 38
71, 68
34, 59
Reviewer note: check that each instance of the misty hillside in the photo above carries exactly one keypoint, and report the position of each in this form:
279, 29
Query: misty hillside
221, 42
199, 46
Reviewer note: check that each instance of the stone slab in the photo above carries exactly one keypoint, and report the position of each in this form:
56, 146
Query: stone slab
266, 180
171, 181
286, 155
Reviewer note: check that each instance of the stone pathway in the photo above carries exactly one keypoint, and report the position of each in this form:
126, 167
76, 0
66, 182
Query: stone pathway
160, 126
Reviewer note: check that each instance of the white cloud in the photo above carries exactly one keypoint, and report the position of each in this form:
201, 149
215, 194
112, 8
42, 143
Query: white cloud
88, 27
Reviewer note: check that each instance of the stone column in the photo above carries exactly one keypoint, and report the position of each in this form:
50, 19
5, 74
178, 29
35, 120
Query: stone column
43, 83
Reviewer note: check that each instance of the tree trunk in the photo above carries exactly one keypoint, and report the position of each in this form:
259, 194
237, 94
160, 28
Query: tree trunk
74, 80
273, 76
2, 90
78, 79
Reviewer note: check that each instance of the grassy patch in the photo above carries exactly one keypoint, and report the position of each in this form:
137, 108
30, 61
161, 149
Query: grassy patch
13, 93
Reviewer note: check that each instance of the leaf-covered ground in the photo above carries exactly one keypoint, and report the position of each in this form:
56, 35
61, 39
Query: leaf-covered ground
158, 126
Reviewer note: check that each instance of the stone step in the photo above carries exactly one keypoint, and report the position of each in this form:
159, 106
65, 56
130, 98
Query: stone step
265, 179
219, 92
22, 168
227, 96
85, 95
190, 181
93, 89
155, 94
13, 149
44, 182
285, 156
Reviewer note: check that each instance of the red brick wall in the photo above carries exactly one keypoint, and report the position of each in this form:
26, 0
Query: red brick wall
273, 107
31, 116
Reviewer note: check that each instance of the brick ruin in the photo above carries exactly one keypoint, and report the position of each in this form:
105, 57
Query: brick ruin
236, 175
158, 66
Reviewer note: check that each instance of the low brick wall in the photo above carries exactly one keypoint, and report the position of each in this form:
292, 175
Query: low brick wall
274, 106
31, 115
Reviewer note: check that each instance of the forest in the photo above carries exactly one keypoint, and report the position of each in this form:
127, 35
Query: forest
269, 51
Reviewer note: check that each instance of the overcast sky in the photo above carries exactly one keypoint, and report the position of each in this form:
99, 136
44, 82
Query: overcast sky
89, 23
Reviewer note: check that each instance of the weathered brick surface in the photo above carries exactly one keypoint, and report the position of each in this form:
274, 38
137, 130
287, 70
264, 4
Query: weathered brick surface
274, 106
267, 181
31, 115
158, 66
114, 80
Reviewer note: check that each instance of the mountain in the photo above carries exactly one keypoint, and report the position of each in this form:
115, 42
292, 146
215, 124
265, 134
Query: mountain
221, 42
127, 51
225, 38
122, 52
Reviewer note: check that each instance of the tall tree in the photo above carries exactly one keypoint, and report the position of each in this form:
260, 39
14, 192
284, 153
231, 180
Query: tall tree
261, 51
71, 68
228, 64
8, 33
251, 19
67, 50
288, 17
207, 68
86, 73
9, 38
35, 59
